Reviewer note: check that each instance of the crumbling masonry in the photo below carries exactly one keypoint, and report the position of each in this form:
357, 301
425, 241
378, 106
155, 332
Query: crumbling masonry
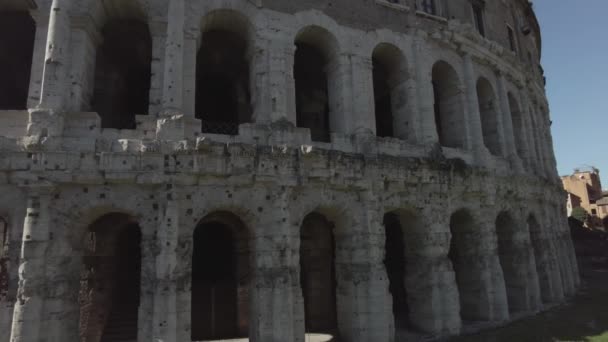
188, 170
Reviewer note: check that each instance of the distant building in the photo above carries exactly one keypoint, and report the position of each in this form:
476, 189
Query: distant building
585, 191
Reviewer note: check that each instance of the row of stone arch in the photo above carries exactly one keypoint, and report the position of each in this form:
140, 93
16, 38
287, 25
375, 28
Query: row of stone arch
222, 272
224, 81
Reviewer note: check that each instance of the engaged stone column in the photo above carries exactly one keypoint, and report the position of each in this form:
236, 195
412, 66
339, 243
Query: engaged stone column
171, 125
363, 120
28, 315
276, 297
528, 129
508, 146
85, 40
164, 316
472, 115
273, 79
364, 307
47, 119
424, 96
430, 280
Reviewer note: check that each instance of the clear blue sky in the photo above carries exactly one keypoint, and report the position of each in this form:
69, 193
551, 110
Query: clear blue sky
575, 59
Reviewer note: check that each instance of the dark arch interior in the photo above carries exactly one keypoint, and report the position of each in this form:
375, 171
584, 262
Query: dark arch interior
220, 280
395, 264
317, 274
17, 34
382, 98
448, 105
312, 96
464, 256
122, 73
222, 82
110, 283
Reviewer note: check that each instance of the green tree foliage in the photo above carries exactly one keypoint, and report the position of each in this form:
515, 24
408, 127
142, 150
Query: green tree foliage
579, 214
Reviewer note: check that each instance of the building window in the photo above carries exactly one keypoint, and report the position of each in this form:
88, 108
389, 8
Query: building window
428, 6
511, 33
593, 212
477, 7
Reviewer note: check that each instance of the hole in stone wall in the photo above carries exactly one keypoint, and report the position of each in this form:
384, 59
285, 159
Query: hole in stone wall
395, 264
449, 112
518, 126
514, 261
17, 34
220, 279
465, 257
110, 282
222, 82
122, 73
317, 274
489, 116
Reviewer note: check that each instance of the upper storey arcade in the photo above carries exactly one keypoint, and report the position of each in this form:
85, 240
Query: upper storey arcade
386, 77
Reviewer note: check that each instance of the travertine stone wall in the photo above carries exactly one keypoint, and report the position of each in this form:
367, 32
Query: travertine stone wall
60, 171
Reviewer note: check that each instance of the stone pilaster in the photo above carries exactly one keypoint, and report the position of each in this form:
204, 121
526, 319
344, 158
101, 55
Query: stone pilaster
28, 315
528, 130
85, 40
509, 147
47, 118
363, 120
363, 302
430, 281
273, 80
164, 314
423, 96
171, 123
276, 299
472, 115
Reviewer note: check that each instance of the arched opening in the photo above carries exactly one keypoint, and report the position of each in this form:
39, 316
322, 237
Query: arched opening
17, 34
465, 257
4, 258
317, 274
110, 282
122, 73
390, 91
605, 223
539, 246
518, 126
514, 260
312, 72
396, 264
449, 112
223, 97
221, 272
488, 110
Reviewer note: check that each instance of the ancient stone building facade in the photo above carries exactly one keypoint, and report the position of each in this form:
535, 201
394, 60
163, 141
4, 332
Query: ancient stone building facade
184, 170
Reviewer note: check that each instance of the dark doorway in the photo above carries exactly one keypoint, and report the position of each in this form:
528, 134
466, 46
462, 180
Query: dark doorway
312, 98
220, 279
382, 98
395, 264
110, 283
317, 274
222, 82
122, 73
17, 34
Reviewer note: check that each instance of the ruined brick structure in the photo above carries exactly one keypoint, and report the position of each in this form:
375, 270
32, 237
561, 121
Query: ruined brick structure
185, 170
